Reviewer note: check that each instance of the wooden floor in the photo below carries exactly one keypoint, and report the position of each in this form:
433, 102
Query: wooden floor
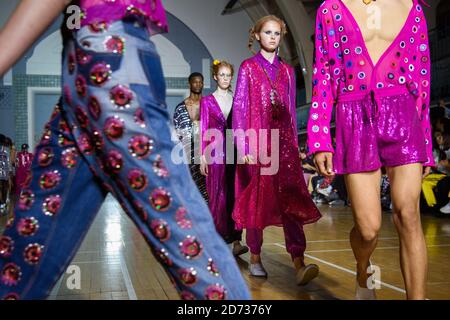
115, 262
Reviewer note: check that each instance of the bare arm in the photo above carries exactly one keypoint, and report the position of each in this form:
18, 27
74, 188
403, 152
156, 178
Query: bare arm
29, 20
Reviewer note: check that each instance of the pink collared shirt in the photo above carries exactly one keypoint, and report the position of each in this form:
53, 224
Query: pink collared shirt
342, 64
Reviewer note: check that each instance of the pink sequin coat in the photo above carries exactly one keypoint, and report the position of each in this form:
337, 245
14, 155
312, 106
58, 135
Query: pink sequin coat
262, 200
342, 65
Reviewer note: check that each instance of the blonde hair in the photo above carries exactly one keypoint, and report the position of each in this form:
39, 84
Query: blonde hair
219, 64
260, 24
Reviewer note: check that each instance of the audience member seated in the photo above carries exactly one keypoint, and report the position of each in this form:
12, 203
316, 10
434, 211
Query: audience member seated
436, 186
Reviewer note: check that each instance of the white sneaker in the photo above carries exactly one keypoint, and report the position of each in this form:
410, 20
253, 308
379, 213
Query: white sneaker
257, 270
306, 274
446, 209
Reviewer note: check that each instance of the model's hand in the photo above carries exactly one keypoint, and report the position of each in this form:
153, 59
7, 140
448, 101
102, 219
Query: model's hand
248, 159
324, 163
203, 166
426, 172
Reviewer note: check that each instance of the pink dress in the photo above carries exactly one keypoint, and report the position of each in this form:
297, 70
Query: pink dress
100, 12
221, 171
262, 200
382, 109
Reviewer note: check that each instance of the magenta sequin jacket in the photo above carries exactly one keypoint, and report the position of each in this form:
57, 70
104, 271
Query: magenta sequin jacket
342, 65
96, 12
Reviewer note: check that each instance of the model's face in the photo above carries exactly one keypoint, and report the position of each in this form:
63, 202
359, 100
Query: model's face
224, 78
196, 85
270, 36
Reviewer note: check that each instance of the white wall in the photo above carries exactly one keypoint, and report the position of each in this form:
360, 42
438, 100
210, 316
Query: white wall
226, 37
6, 8
173, 63
46, 58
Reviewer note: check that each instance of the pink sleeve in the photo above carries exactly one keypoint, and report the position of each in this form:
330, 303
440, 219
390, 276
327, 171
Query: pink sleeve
322, 101
204, 122
423, 70
241, 108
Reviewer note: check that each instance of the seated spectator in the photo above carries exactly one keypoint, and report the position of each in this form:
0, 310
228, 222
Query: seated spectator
338, 195
442, 125
445, 107
443, 195
5, 171
309, 170
442, 189
436, 185
385, 190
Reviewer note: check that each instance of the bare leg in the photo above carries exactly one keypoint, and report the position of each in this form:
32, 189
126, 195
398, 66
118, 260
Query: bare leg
255, 258
255, 241
299, 263
405, 189
364, 193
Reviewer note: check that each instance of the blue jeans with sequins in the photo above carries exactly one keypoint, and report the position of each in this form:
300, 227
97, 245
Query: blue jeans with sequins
111, 135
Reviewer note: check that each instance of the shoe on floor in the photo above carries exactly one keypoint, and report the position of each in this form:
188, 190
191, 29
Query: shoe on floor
446, 209
306, 274
365, 293
257, 270
337, 203
239, 250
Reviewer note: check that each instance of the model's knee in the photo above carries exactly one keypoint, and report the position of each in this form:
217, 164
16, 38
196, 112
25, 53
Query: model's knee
369, 233
407, 217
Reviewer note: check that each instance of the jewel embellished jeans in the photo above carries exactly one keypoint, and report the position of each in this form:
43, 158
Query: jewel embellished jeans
110, 134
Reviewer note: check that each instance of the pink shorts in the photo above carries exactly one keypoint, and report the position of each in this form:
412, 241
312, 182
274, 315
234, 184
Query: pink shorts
379, 129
